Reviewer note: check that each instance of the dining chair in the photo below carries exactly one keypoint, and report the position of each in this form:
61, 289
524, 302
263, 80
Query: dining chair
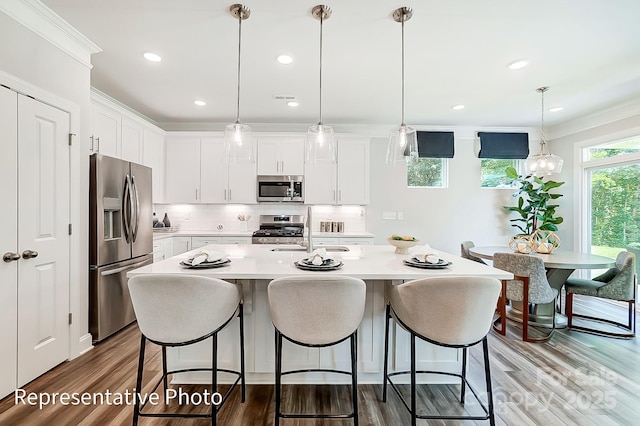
316, 311
464, 252
452, 312
180, 310
529, 286
618, 283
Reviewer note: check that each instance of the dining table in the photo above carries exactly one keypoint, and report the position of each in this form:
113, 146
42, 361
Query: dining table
560, 264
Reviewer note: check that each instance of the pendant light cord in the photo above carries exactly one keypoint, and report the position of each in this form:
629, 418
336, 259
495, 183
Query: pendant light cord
543, 142
321, 21
240, 13
402, 122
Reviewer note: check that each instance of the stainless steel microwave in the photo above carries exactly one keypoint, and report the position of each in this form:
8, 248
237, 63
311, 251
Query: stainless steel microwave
280, 189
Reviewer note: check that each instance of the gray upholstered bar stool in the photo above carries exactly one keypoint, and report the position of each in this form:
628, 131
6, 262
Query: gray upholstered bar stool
453, 312
316, 311
180, 310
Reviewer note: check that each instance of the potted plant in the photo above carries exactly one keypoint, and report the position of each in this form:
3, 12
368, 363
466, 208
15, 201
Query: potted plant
537, 216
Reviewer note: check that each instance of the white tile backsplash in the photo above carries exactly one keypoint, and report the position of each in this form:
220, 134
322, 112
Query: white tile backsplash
194, 217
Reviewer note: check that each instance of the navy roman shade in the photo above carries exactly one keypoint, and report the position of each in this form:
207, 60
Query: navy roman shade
513, 146
435, 144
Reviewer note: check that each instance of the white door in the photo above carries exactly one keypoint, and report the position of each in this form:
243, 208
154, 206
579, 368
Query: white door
43, 220
8, 240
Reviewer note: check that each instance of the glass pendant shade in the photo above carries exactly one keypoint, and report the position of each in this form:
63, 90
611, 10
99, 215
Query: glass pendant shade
237, 143
403, 142
321, 144
403, 146
543, 163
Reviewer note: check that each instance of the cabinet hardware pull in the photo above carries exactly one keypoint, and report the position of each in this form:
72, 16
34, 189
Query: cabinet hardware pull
98, 143
10, 257
225, 195
29, 254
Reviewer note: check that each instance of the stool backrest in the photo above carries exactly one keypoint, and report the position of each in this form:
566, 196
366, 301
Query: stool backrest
317, 310
449, 310
531, 266
464, 252
180, 308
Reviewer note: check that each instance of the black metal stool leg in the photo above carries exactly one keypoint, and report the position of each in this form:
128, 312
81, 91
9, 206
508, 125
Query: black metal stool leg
165, 381
487, 373
241, 315
464, 375
278, 377
414, 405
136, 407
386, 353
214, 377
354, 376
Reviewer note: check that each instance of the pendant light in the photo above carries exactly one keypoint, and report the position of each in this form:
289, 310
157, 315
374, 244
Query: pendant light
403, 143
321, 143
544, 163
237, 136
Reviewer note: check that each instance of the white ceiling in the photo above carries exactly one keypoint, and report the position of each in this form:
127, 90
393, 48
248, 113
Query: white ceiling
587, 51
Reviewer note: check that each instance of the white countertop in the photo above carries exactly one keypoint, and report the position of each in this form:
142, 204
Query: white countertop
157, 235
369, 262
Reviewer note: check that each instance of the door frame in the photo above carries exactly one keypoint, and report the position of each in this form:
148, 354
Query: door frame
79, 337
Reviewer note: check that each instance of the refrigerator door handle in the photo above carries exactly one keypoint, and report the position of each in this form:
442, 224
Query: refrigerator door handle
136, 218
124, 268
126, 209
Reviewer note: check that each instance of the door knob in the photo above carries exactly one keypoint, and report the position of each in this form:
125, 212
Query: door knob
29, 254
10, 257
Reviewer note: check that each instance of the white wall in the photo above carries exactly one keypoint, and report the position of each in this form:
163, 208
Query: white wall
441, 217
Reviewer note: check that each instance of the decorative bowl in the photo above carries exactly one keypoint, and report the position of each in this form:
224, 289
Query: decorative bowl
402, 246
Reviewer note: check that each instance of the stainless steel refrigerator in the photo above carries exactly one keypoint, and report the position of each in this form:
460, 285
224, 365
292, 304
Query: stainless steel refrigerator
120, 239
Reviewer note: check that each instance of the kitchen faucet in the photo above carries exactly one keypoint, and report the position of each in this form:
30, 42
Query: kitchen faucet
309, 238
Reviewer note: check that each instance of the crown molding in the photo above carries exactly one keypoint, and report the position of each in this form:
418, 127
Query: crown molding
43, 21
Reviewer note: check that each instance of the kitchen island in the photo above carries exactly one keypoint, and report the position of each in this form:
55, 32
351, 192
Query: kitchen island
253, 266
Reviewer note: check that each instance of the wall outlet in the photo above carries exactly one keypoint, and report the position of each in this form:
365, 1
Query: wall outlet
389, 215
400, 216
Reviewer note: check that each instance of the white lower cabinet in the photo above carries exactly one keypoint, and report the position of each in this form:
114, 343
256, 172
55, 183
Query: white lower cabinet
180, 245
355, 241
197, 242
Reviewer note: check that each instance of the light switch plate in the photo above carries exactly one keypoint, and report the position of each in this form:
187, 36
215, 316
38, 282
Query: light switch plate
389, 215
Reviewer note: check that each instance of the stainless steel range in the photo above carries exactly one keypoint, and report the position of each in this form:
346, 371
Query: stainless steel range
279, 229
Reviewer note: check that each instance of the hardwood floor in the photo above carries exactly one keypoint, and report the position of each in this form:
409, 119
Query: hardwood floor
574, 379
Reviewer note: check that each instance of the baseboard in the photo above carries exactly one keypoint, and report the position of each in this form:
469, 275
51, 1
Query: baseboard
85, 344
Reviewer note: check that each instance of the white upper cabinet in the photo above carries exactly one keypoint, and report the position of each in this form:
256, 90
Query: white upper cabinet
106, 131
280, 155
346, 182
353, 171
153, 156
182, 175
196, 172
132, 141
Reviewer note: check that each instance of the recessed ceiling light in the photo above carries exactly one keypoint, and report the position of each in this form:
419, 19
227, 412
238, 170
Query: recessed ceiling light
152, 57
199, 102
457, 107
556, 109
293, 104
285, 59
516, 65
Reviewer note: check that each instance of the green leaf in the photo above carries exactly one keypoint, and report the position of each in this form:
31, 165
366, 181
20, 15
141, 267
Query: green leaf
511, 173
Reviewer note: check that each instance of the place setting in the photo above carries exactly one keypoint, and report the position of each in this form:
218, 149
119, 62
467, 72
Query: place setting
426, 258
319, 260
206, 259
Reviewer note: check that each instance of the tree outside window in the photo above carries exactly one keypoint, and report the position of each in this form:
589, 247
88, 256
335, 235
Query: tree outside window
426, 172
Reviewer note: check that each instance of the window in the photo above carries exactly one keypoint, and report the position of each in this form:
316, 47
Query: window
497, 152
427, 172
612, 196
492, 173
